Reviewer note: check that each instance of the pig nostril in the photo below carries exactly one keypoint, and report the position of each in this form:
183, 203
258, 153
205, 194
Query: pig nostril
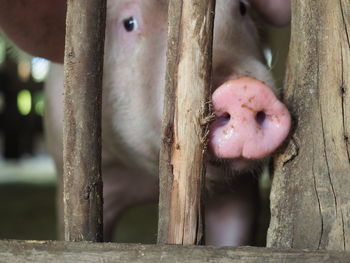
223, 119
260, 117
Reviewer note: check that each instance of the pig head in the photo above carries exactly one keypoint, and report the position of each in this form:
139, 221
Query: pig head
250, 121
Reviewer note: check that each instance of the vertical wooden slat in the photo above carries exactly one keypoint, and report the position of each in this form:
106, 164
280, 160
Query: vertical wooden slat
82, 119
310, 199
184, 131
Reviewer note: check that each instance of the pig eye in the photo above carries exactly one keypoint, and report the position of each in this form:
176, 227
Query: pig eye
242, 8
130, 24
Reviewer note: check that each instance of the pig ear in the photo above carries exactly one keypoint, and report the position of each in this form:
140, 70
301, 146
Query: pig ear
36, 26
276, 12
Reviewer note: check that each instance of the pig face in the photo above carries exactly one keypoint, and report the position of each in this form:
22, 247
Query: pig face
135, 68
250, 122
134, 79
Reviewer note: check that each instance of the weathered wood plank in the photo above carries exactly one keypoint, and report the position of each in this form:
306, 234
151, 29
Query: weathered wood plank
83, 65
310, 200
185, 122
55, 251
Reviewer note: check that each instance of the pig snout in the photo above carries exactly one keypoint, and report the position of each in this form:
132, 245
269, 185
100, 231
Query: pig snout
250, 121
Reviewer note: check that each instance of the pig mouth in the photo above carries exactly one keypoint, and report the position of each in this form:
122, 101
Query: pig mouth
238, 165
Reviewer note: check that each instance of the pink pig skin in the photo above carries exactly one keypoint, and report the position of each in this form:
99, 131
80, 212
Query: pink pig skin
251, 122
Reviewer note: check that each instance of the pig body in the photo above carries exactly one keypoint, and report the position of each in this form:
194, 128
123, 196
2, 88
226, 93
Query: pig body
133, 89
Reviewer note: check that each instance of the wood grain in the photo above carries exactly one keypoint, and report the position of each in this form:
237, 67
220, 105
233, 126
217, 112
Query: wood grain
53, 251
83, 68
184, 131
310, 200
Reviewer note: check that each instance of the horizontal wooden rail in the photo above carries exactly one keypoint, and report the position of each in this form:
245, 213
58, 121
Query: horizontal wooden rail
56, 251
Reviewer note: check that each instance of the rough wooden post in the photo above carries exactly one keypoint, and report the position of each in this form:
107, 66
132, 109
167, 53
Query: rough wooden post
82, 119
310, 200
185, 121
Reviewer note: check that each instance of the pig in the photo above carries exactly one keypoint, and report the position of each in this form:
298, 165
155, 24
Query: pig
250, 121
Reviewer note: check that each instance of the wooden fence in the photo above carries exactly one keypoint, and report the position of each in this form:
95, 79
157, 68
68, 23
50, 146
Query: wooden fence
310, 199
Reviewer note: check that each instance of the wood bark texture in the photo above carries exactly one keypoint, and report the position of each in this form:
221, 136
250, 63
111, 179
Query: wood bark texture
53, 251
185, 122
82, 180
310, 199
